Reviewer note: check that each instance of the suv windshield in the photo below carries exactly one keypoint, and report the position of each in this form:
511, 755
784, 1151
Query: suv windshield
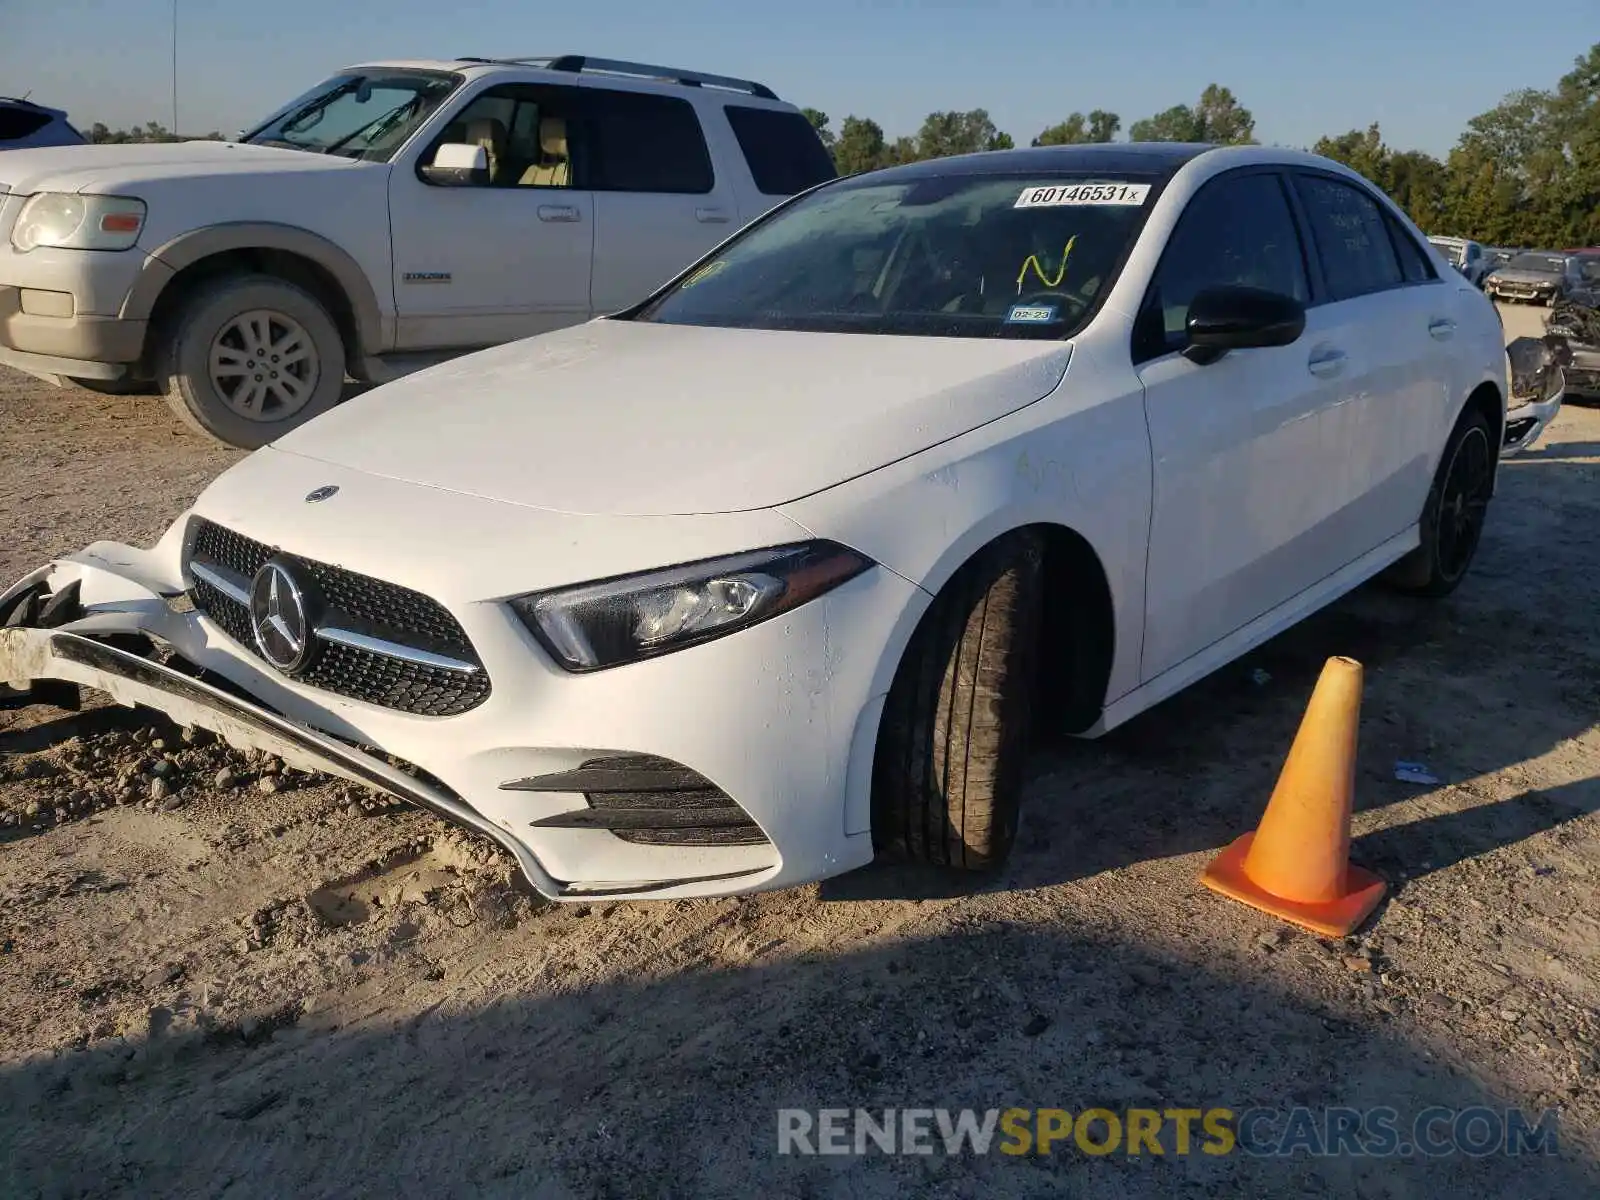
945, 256
367, 115
1450, 251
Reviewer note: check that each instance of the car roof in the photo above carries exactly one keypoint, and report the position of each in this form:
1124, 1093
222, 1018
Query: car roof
566, 66
1153, 158
23, 102
1161, 159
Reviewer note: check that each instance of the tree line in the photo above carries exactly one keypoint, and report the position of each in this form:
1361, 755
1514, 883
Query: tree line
1525, 173
150, 131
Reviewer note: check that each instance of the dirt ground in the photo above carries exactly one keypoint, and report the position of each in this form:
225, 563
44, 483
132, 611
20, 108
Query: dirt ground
220, 979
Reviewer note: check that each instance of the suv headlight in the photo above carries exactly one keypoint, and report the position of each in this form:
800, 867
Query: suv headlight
616, 621
75, 222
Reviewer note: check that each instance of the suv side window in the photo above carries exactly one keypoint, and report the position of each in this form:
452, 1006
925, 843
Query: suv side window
646, 143
1236, 230
17, 123
1414, 265
528, 132
782, 149
1352, 242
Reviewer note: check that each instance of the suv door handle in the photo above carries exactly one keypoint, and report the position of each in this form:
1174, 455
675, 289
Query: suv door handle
711, 216
1441, 328
1326, 362
558, 212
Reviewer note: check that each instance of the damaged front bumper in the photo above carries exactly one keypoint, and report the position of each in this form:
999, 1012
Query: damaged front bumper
1538, 386
1527, 421
31, 656
661, 781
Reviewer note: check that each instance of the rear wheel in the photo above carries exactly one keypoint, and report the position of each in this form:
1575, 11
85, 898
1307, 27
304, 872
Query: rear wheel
1453, 516
251, 358
947, 776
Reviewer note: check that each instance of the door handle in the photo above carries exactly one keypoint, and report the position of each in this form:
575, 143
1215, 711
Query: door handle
1441, 328
558, 212
1326, 362
711, 216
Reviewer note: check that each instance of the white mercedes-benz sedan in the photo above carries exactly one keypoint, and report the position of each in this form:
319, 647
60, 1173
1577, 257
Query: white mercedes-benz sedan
778, 570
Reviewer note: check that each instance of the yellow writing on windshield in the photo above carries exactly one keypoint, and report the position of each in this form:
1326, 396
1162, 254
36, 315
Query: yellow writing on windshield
1032, 263
706, 272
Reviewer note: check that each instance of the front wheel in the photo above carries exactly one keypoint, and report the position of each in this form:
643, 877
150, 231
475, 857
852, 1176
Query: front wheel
1453, 516
252, 357
947, 775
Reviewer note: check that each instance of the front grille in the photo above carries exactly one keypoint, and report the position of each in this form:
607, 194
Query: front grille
373, 608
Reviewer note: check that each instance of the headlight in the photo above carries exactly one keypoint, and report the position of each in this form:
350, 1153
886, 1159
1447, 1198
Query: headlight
615, 621
76, 222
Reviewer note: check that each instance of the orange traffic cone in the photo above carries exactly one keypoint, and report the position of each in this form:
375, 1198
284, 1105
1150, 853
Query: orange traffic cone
1296, 865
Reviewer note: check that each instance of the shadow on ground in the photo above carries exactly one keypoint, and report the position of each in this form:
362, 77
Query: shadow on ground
671, 1087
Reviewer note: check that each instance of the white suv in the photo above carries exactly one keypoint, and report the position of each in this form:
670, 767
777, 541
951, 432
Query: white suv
397, 209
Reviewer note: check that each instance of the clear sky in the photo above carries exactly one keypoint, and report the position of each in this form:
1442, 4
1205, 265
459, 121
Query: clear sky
1304, 67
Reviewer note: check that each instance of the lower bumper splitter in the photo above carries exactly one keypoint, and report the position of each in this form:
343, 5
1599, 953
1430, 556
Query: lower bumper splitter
31, 656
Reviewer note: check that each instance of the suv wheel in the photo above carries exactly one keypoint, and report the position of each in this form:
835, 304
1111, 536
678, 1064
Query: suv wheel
252, 357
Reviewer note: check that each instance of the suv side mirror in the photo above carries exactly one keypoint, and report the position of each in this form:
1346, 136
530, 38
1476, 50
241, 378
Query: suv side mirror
1240, 318
456, 164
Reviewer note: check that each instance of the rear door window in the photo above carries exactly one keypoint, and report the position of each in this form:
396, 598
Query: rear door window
782, 149
645, 143
1414, 265
17, 123
1357, 254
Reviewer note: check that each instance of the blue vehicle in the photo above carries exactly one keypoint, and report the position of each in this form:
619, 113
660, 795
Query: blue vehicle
24, 125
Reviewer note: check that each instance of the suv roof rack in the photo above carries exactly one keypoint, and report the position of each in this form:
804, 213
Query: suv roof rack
615, 66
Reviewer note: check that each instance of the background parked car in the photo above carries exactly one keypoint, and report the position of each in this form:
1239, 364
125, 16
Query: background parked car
1540, 276
1575, 317
1465, 256
394, 211
24, 124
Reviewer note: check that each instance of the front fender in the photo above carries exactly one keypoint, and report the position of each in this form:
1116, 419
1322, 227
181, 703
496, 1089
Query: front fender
1078, 459
191, 247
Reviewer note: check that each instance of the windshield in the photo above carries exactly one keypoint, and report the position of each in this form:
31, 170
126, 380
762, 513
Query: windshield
943, 256
366, 115
1450, 251
1544, 263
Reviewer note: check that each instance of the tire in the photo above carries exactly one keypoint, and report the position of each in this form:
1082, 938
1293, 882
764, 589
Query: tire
947, 773
1453, 515
119, 387
231, 322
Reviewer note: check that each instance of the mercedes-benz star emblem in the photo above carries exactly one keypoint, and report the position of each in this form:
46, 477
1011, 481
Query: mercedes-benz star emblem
321, 493
280, 618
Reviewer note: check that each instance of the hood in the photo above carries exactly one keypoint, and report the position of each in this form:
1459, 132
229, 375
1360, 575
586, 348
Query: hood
1523, 275
107, 168
635, 419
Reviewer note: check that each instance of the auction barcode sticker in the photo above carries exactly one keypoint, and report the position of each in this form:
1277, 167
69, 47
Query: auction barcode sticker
1055, 195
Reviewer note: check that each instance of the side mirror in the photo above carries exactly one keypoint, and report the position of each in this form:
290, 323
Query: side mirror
457, 164
1240, 318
